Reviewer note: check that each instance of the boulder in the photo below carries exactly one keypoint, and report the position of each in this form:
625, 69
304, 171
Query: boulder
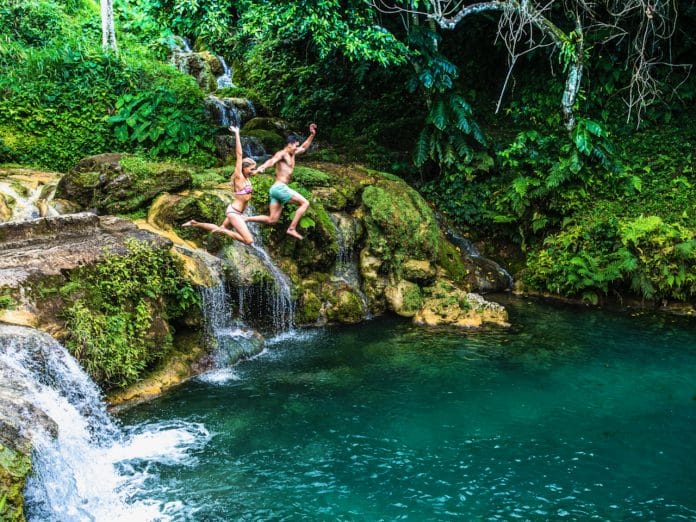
276, 125
120, 183
446, 304
404, 298
200, 66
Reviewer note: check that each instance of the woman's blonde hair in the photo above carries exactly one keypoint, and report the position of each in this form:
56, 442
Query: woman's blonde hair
248, 162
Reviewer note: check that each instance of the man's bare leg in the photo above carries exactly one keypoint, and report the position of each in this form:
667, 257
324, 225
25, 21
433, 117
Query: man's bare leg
275, 210
301, 209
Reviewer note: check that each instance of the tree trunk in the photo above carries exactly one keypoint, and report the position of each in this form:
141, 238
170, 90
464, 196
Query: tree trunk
108, 32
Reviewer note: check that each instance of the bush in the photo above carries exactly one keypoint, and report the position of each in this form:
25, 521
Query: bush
119, 311
652, 258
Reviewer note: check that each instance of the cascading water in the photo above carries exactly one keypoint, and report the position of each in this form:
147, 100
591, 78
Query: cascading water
468, 247
232, 338
346, 267
224, 80
275, 297
223, 112
28, 206
91, 470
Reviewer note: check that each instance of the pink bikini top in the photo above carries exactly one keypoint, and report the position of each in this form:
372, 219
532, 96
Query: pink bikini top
247, 188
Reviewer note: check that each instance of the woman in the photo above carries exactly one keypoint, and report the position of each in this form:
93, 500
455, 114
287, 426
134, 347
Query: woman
234, 225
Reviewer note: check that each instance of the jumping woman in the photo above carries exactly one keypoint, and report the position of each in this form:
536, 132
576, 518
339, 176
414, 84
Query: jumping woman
234, 225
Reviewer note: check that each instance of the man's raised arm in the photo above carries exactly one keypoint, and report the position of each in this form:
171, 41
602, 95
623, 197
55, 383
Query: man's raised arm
312, 132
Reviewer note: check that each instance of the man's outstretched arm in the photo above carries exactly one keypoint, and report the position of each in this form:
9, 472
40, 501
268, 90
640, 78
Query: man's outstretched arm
308, 141
270, 161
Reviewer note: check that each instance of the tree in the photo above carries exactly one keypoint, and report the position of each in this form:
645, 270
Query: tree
107, 18
642, 28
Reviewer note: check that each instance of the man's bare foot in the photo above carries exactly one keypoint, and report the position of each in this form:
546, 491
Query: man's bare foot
292, 232
189, 223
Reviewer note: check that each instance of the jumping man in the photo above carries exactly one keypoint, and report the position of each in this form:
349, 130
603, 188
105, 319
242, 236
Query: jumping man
284, 161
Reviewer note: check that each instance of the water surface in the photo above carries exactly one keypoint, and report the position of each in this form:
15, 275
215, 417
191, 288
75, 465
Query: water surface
572, 413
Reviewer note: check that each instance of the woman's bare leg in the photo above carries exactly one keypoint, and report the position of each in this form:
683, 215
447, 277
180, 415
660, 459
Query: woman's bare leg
240, 229
222, 229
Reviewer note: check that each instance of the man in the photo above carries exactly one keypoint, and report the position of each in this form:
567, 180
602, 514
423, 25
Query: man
284, 161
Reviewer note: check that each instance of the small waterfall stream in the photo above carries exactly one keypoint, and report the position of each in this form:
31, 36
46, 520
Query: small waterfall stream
224, 80
469, 249
274, 300
31, 205
92, 470
346, 263
232, 338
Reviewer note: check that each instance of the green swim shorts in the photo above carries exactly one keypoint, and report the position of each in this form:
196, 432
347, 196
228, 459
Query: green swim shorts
280, 193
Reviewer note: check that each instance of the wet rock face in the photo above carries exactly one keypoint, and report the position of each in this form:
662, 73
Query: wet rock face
42, 250
120, 183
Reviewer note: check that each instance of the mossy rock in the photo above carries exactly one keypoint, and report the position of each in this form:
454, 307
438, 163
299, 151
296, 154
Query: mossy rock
444, 303
399, 223
338, 187
345, 306
119, 183
276, 125
271, 140
170, 211
450, 259
14, 469
404, 298
309, 308
199, 65
6, 204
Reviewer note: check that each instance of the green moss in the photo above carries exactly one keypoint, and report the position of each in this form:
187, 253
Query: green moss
412, 299
87, 179
14, 469
144, 168
7, 301
346, 307
210, 178
449, 257
309, 308
309, 177
271, 140
399, 223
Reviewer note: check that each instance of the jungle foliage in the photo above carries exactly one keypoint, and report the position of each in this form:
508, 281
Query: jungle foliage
604, 209
119, 309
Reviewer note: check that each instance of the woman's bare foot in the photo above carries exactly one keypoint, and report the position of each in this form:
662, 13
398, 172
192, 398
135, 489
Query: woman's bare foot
292, 232
189, 223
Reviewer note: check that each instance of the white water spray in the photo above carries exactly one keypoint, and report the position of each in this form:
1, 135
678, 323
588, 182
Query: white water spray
92, 470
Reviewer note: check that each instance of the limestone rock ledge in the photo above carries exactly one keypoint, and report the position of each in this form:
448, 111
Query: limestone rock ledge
445, 304
39, 249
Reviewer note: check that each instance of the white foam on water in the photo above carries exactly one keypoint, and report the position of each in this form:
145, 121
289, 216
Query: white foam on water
91, 470
220, 376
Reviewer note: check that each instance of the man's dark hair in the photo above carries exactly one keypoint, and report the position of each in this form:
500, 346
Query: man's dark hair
294, 138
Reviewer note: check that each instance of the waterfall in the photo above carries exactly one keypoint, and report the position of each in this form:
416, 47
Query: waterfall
274, 301
223, 112
90, 469
31, 205
469, 249
281, 303
232, 338
346, 267
225, 80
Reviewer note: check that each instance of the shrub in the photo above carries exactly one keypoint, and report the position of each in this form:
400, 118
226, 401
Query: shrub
119, 310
